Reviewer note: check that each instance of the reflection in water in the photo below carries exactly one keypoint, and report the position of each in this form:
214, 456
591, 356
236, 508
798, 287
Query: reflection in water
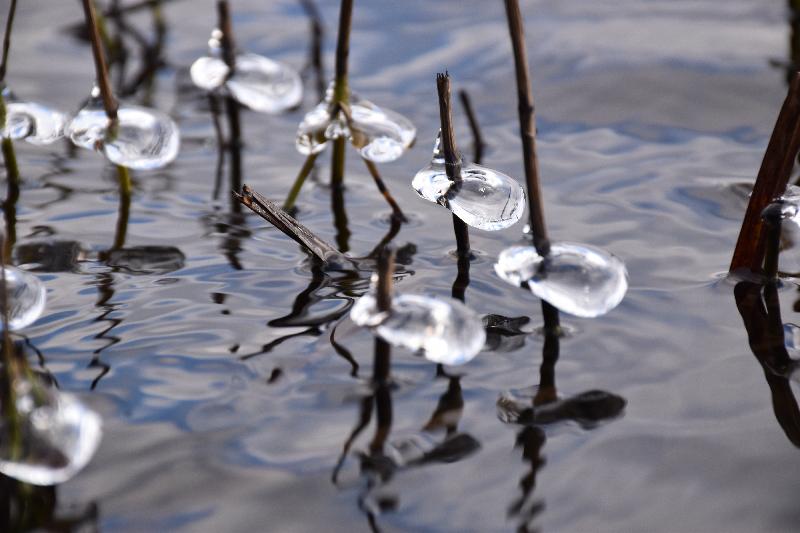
26, 507
760, 309
535, 413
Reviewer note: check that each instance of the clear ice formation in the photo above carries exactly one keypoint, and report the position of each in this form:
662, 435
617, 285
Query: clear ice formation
576, 278
32, 122
484, 198
380, 135
141, 138
444, 329
257, 82
791, 204
50, 437
26, 297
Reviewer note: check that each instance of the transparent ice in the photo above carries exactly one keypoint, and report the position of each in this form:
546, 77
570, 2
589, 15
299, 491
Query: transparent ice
446, 330
26, 297
141, 138
576, 278
484, 198
52, 436
257, 82
32, 122
380, 135
791, 204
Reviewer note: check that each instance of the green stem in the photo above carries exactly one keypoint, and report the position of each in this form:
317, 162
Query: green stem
12, 9
308, 166
340, 89
125, 190
10, 203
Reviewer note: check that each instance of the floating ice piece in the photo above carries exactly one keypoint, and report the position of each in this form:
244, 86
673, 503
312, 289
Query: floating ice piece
446, 330
484, 198
52, 437
32, 122
26, 296
380, 135
141, 138
576, 278
257, 82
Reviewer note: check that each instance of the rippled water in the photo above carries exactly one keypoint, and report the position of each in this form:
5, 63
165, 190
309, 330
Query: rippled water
205, 343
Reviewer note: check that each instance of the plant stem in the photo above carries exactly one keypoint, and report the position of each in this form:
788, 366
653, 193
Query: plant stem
291, 198
382, 365
125, 191
376, 176
452, 158
12, 9
340, 88
228, 43
527, 127
110, 103
12, 196
477, 138
772, 218
771, 182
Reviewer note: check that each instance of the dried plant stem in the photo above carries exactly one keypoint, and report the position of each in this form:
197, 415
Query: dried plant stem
125, 192
12, 196
340, 88
376, 176
294, 192
527, 127
771, 181
477, 137
12, 9
772, 221
382, 366
338, 162
110, 103
452, 158
228, 43
315, 52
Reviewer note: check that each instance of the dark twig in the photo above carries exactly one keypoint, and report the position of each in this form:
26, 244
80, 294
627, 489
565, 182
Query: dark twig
382, 366
477, 138
110, 103
12, 9
527, 127
340, 91
315, 52
772, 220
771, 181
376, 176
228, 43
452, 159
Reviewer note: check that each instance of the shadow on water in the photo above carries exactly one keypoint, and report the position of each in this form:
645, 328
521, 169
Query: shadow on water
760, 310
541, 410
26, 507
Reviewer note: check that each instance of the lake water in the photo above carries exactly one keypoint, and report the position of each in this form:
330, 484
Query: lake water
227, 407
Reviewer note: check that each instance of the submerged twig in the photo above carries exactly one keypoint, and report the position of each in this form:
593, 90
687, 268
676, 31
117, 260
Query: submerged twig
288, 225
452, 159
771, 182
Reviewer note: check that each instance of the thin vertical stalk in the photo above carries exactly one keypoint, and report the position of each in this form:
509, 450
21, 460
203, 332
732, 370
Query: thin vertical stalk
294, 192
382, 366
12, 196
340, 88
452, 158
12, 10
232, 108
474, 126
226, 27
527, 127
110, 103
125, 192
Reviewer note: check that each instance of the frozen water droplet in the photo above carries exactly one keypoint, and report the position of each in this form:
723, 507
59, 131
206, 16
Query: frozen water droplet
380, 135
446, 330
257, 82
57, 435
26, 298
35, 123
140, 138
484, 198
576, 278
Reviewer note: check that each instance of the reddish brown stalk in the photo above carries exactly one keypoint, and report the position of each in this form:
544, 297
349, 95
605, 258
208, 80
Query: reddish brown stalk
226, 27
771, 182
110, 103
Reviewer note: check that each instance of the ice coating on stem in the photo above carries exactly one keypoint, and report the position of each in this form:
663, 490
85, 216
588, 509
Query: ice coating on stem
26, 297
257, 82
576, 278
379, 134
444, 329
35, 123
483, 198
50, 436
140, 138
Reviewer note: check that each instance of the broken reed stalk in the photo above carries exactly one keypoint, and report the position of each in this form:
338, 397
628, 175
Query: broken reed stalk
383, 299
477, 137
527, 127
452, 159
110, 103
773, 176
527, 131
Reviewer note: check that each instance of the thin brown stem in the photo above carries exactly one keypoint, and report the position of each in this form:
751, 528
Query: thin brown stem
772, 215
527, 127
452, 158
12, 9
226, 27
294, 192
385, 279
110, 103
340, 92
474, 126
376, 176
771, 181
